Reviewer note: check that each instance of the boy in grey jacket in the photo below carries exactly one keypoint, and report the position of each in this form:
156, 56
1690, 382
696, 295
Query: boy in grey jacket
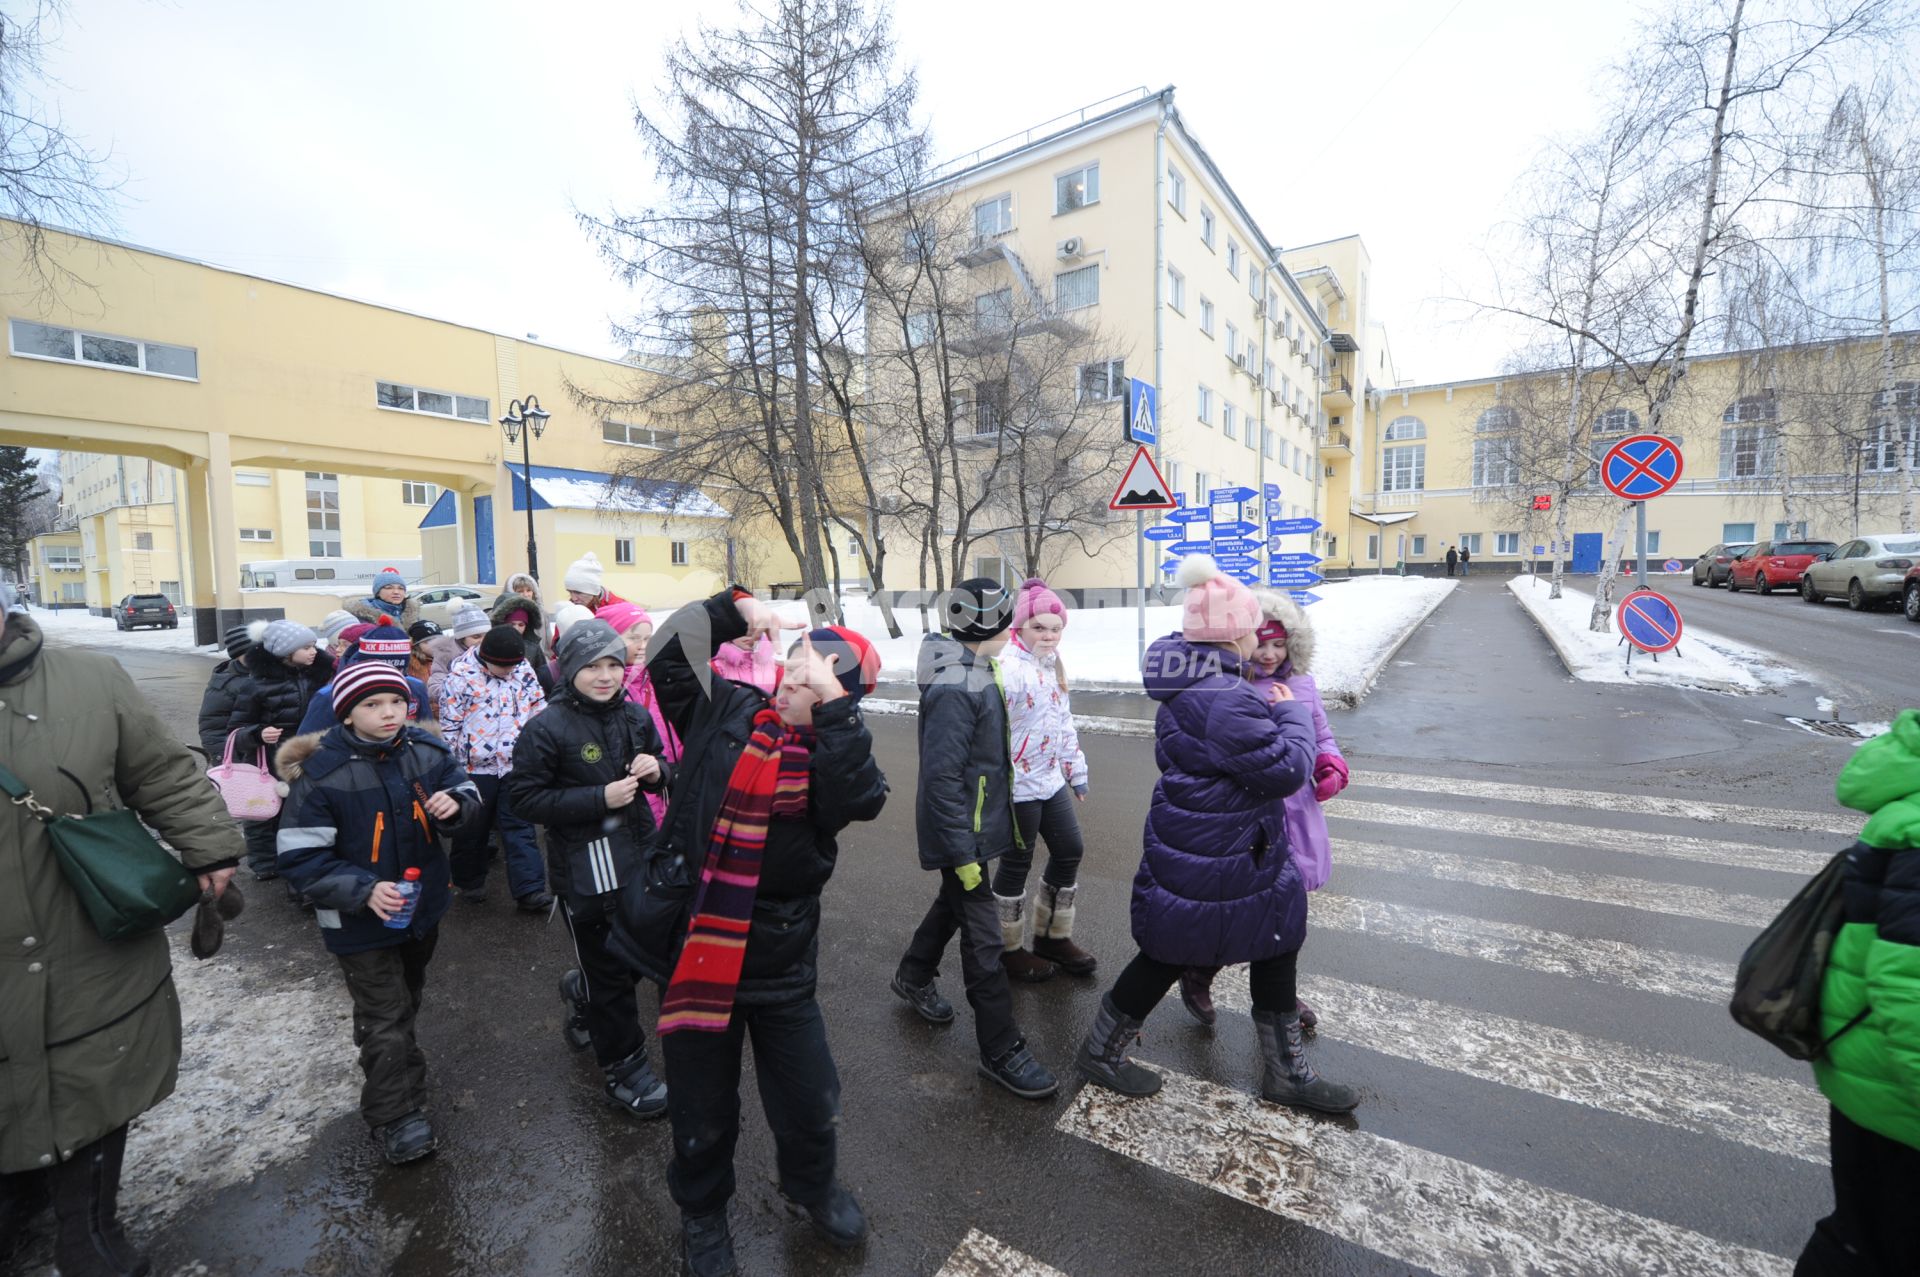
964, 818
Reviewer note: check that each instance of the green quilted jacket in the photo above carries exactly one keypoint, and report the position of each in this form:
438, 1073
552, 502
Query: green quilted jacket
1872, 1072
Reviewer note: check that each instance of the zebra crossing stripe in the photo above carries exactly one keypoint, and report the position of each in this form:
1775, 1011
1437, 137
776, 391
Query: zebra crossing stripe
1674, 899
1766, 1113
1710, 851
1614, 962
1639, 804
982, 1256
1421, 1208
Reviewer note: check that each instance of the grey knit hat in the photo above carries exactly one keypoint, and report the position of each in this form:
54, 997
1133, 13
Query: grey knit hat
586, 643
283, 638
336, 623
469, 622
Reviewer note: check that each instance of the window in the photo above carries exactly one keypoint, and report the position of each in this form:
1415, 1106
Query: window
61, 558
172, 590
1073, 289
1229, 421
1736, 533
1498, 419
1233, 258
1404, 469
1373, 546
1253, 283
1077, 189
1509, 542
1269, 379
639, 436
1206, 315
1286, 450
1266, 440
1176, 290
1761, 407
1653, 542
1493, 464
993, 217
1173, 477
1790, 532
677, 552
1233, 342
919, 329
1102, 382
993, 311
1896, 431
1201, 479
412, 493
46, 341
1207, 226
438, 403
1405, 428
252, 479
256, 534
1616, 421
1203, 405
1176, 190
143, 540
1747, 452
1333, 546
623, 551
323, 515
1419, 546
1470, 542
990, 407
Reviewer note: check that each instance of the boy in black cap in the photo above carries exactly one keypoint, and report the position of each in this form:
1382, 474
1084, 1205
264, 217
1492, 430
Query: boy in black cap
965, 819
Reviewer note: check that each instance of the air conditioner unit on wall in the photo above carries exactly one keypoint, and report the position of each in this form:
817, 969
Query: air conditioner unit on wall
1068, 248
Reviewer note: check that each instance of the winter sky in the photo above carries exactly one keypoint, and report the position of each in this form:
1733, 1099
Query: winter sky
428, 155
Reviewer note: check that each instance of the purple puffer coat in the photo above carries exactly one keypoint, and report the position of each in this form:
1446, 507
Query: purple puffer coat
1307, 838
1216, 885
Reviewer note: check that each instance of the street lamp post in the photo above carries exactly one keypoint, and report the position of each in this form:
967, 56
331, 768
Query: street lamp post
524, 422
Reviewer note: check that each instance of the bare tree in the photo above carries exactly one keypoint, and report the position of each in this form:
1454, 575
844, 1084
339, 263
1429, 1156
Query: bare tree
47, 177
771, 139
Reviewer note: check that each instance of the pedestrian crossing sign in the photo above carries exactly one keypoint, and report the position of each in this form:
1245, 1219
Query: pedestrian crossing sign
1142, 487
1143, 418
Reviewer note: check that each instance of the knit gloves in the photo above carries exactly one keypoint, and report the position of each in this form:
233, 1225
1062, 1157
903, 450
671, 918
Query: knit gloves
1329, 776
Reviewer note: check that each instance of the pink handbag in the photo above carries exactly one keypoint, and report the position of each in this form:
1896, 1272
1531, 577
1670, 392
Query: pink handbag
249, 789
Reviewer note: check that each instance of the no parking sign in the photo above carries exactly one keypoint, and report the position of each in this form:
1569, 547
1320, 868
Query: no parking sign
1649, 620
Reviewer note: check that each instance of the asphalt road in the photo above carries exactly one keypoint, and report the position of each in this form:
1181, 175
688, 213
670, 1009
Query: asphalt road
1870, 660
1525, 980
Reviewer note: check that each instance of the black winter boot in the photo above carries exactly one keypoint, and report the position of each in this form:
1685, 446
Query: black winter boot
573, 992
1287, 1077
23, 1195
838, 1218
1196, 993
633, 1088
1017, 1070
706, 1246
407, 1139
1103, 1055
86, 1200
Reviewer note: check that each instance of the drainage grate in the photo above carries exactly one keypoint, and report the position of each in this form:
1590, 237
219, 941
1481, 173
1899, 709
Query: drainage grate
1845, 731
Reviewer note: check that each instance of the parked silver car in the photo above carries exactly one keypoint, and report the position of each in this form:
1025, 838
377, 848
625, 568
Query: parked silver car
1866, 571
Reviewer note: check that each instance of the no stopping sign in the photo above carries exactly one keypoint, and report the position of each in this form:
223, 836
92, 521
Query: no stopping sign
1649, 620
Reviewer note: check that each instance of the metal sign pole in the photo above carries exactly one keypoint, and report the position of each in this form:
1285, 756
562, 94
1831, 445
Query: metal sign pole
1640, 535
1140, 580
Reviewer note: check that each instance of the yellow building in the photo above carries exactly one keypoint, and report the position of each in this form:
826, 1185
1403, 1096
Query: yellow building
1116, 221
56, 569
309, 420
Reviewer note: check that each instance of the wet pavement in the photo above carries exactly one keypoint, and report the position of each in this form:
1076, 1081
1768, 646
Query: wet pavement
1550, 1079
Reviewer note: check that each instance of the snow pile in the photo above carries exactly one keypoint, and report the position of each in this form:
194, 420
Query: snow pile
1705, 661
73, 627
1358, 625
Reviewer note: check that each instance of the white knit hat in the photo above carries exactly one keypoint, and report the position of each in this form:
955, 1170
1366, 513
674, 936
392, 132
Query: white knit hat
585, 575
566, 616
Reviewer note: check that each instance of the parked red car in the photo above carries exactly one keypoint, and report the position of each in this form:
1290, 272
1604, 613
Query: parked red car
1771, 563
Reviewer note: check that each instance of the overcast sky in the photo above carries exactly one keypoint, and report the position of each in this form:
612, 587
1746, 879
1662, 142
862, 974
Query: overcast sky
428, 155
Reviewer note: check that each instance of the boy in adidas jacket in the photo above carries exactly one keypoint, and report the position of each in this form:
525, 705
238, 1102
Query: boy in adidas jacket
369, 800
578, 768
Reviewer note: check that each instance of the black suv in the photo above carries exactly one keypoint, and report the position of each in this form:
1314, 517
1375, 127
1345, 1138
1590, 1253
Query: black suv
145, 609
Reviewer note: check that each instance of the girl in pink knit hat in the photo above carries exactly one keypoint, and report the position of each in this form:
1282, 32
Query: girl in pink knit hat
635, 627
1049, 780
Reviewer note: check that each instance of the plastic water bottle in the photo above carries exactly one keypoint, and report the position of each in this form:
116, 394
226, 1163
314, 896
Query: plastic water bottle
409, 887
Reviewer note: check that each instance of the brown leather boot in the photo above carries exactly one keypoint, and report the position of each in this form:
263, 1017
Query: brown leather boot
1023, 965
1196, 993
1053, 931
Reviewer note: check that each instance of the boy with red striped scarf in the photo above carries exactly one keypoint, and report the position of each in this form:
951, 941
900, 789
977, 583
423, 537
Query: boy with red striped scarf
728, 921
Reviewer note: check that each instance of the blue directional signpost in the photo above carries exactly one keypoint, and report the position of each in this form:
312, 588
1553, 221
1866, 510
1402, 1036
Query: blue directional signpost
1291, 527
1649, 621
1227, 496
1166, 532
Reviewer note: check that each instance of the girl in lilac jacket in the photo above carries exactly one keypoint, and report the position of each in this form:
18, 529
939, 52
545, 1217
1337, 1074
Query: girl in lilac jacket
1283, 654
1216, 884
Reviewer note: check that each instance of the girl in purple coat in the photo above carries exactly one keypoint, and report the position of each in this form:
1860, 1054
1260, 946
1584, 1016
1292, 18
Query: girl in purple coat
1216, 884
1283, 654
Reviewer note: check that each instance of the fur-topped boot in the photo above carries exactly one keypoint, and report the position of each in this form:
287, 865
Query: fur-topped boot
1020, 964
1053, 930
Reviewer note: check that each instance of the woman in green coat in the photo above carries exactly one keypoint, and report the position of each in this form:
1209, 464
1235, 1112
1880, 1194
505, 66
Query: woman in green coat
89, 1029
1870, 1012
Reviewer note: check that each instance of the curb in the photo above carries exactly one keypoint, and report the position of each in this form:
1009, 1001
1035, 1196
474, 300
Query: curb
1714, 686
1352, 700
1559, 652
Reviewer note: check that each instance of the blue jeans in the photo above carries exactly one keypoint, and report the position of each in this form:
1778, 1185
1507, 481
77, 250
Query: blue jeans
473, 845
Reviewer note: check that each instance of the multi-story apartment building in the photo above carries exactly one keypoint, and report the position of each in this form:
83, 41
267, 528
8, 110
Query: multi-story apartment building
1116, 221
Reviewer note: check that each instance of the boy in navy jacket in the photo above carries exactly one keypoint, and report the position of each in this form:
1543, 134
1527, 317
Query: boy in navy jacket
370, 799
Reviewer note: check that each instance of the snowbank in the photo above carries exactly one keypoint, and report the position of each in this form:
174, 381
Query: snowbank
73, 628
1705, 661
1358, 624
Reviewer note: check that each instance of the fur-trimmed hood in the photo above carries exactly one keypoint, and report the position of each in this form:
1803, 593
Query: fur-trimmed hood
294, 753
1280, 607
364, 610
508, 603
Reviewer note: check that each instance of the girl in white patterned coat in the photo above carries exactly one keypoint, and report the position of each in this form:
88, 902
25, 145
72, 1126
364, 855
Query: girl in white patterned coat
1049, 781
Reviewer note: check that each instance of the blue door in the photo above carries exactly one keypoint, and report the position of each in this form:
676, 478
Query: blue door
483, 540
1586, 553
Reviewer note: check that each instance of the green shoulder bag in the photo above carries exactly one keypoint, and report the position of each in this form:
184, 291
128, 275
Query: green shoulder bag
127, 882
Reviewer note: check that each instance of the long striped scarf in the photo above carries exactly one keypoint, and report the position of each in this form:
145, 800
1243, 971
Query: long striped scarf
769, 780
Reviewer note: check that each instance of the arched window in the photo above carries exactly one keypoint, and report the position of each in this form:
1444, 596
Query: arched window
1405, 428
1498, 419
1751, 408
1616, 421
1404, 469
